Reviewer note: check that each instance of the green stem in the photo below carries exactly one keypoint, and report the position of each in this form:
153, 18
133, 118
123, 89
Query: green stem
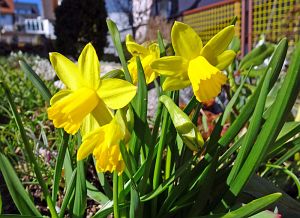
115, 194
30, 154
168, 164
59, 165
121, 199
289, 173
161, 144
157, 168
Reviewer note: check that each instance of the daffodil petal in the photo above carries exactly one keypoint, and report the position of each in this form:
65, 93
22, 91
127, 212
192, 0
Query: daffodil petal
59, 95
219, 43
173, 83
133, 48
225, 59
116, 93
102, 114
107, 154
206, 79
146, 60
150, 75
186, 42
89, 143
66, 70
89, 66
132, 67
174, 66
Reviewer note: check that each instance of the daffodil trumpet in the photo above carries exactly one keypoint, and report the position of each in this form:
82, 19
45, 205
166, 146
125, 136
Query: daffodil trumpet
195, 64
103, 142
88, 100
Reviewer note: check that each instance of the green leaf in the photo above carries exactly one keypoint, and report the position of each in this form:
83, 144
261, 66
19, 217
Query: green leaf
113, 30
104, 184
289, 130
161, 145
258, 187
272, 126
68, 194
139, 103
20, 197
252, 131
134, 202
80, 191
232, 101
36, 80
161, 45
257, 56
107, 209
163, 186
127, 159
254, 206
235, 44
275, 65
289, 153
68, 166
233, 148
191, 105
95, 194
255, 72
59, 165
29, 151
204, 187
187, 180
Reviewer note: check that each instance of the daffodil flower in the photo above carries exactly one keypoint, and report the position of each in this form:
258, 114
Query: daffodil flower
104, 142
87, 97
147, 54
195, 64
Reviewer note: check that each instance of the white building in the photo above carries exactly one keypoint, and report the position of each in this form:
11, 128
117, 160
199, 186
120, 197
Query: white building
40, 26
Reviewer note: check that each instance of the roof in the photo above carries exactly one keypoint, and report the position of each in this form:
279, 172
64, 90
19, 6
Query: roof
7, 6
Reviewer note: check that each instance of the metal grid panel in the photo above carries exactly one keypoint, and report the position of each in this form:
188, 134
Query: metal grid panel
211, 20
276, 19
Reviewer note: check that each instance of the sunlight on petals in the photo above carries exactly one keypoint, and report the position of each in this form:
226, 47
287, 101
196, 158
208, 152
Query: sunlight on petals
68, 112
186, 42
66, 70
116, 93
206, 79
89, 66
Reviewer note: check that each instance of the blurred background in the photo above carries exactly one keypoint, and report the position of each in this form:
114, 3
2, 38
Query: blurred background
40, 26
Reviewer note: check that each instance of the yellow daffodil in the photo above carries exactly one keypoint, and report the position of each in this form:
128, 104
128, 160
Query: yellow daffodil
195, 64
87, 98
104, 142
147, 55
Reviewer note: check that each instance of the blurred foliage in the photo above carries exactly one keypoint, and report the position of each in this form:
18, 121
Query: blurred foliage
79, 22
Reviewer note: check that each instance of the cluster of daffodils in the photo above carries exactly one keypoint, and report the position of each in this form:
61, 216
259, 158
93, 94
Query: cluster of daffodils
88, 103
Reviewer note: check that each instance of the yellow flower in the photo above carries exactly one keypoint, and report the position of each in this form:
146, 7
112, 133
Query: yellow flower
104, 142
87, 99
147, 55
195, 64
